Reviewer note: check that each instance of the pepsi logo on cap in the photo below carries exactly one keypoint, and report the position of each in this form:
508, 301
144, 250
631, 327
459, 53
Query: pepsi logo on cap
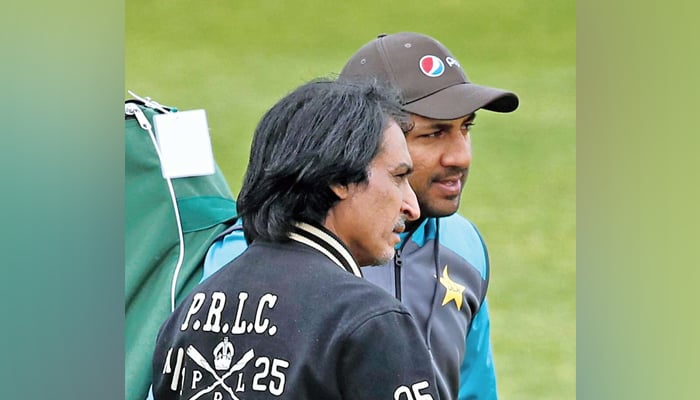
431, 66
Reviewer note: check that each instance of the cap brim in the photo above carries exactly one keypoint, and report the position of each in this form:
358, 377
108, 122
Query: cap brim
459, 100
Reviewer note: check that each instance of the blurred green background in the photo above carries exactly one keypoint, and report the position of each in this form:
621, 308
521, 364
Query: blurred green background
235, 59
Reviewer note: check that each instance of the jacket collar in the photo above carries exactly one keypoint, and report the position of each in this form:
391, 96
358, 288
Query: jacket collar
421, 234
327, 243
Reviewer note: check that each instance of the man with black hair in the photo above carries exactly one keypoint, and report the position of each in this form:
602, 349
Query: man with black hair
291, 317
441, 268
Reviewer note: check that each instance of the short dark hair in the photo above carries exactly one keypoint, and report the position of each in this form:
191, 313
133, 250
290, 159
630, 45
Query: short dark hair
323, 133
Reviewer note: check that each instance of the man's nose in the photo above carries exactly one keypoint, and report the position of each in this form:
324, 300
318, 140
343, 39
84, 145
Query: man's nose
458, 152
409, 207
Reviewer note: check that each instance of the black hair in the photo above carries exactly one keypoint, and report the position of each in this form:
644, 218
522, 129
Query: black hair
323, 133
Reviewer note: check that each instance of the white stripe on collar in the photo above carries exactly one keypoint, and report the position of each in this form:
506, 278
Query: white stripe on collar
328, 245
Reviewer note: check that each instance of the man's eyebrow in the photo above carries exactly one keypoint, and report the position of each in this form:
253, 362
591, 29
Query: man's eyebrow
445, 125
432, 125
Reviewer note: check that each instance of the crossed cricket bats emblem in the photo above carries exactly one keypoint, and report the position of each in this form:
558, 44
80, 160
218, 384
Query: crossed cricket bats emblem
197, 357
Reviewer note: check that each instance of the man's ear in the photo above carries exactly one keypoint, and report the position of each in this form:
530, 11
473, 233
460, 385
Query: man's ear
342, 191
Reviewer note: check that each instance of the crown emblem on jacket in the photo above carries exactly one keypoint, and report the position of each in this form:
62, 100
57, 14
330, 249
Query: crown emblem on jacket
223, 353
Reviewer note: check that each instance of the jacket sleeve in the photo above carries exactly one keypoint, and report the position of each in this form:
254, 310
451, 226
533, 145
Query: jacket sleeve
386, 358
477, 373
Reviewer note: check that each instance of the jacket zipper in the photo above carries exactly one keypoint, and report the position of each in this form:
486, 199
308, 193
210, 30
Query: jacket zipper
398, 262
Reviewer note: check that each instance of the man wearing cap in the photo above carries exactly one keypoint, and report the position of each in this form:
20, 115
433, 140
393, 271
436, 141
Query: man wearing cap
441, 267
440, 271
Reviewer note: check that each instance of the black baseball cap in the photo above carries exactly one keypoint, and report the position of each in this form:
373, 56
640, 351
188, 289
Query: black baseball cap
429, 77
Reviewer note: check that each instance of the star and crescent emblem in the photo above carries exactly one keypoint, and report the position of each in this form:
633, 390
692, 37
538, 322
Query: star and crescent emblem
454, 291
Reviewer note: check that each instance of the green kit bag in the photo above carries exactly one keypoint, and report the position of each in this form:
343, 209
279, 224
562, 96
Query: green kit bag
170, 224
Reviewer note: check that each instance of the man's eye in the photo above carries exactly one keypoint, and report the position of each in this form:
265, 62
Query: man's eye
402, 176
433, 134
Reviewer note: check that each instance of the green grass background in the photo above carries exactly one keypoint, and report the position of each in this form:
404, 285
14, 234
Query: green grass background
235, 59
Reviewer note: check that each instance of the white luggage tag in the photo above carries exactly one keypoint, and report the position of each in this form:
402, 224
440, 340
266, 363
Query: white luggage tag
184, 142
